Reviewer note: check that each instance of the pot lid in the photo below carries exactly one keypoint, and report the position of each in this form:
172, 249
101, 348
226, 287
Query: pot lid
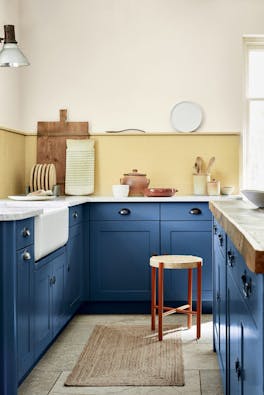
134, 173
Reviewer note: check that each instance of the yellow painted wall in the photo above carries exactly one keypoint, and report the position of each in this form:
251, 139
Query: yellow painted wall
12, 163
166, 159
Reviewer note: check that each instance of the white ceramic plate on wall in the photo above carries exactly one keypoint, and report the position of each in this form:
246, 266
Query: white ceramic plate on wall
186, 116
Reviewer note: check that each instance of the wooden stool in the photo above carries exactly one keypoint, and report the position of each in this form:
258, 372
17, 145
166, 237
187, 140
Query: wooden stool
162, 262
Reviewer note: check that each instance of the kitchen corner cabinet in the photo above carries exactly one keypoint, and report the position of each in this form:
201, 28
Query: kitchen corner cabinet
122, 238
49, 304
74, 265
238, 319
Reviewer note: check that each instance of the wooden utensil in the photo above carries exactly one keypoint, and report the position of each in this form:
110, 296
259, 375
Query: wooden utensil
199, 162
210, 164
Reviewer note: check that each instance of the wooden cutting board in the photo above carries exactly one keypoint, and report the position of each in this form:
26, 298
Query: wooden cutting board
51, 142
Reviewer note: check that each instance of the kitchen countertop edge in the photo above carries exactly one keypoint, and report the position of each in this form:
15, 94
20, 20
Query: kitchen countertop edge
229, 216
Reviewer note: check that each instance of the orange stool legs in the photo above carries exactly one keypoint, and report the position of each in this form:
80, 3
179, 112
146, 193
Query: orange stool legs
199, 300
160, 298
153, 297
189, 316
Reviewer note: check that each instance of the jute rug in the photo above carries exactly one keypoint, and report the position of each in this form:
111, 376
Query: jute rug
129, 355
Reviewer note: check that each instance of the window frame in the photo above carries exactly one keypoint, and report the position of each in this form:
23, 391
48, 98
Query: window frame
251, 42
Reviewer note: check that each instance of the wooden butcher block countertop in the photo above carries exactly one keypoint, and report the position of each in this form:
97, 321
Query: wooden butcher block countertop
244, 224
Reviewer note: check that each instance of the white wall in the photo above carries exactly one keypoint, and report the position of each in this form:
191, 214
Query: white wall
125, 63
9, 78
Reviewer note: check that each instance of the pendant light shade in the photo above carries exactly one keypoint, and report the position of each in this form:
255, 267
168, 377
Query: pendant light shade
10, 54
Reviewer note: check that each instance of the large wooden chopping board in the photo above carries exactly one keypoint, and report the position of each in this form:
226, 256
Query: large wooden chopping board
51, 142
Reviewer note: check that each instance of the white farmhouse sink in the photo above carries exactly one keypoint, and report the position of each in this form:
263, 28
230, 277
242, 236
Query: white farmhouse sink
51, 230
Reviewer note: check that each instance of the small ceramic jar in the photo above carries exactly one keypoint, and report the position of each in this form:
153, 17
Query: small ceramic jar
213, 188
137, 182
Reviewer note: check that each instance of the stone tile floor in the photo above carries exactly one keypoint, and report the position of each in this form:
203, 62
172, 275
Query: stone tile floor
202, 376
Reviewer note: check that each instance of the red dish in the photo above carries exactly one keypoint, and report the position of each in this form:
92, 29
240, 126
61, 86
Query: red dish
159, 192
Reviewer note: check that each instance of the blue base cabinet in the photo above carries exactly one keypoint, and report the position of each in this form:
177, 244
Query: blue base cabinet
120, 248
238, 319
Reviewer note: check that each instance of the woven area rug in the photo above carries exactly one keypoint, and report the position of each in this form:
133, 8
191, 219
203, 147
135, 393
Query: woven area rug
129, 355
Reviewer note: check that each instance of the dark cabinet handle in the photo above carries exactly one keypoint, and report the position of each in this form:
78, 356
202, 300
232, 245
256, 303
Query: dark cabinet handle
195, 211
215, 229
124, 211
51, 281
54, 280
218, 298
75, 215
221, 240
238, 369
26, 232
247, 286
68, 268
230, 258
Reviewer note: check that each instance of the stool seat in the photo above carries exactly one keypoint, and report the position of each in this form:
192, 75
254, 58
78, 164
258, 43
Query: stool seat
176, 261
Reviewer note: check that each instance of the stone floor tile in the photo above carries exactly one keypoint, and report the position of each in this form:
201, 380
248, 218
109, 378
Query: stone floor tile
191, 387
199, 356
60, 356
38, 382
211, 382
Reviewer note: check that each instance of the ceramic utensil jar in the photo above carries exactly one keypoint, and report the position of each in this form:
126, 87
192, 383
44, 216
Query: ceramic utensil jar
137, 182
200, 184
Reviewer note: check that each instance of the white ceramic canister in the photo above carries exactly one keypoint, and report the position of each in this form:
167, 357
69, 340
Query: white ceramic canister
200, 183
213, 188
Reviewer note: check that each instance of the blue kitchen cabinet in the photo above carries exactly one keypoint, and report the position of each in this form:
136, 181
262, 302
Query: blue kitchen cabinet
238, 318
219, 297
49, 304
74, 266
122, 238
186, 229
24, 295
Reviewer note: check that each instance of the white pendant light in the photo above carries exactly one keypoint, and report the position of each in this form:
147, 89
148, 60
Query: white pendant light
10, 54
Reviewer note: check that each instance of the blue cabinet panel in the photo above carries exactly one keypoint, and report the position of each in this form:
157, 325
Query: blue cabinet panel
187, 238
120, 254
25, 319
49, 304
73, 270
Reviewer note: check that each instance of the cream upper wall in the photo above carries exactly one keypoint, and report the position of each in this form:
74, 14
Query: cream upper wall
125, 63
10, 89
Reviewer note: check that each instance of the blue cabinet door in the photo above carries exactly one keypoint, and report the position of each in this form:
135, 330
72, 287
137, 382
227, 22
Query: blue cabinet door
120, 252
42, 306
219, 311
73, 270
25, 321
49, 304
187, 238
58, 304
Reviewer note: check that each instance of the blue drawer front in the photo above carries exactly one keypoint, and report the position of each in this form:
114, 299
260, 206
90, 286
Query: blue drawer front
185, 211
124, 211
24, 233
75, 214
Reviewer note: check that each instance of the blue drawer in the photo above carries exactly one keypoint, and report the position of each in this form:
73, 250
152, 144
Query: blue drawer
185, 211
24, 233
75, 215
124, 211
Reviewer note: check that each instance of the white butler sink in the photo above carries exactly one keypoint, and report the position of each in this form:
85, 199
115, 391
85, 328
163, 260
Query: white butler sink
51, 230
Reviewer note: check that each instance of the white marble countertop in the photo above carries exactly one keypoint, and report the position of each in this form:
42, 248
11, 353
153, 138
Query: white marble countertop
244, 224
15, 210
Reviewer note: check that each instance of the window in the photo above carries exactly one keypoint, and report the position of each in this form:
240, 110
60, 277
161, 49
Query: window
253, 133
